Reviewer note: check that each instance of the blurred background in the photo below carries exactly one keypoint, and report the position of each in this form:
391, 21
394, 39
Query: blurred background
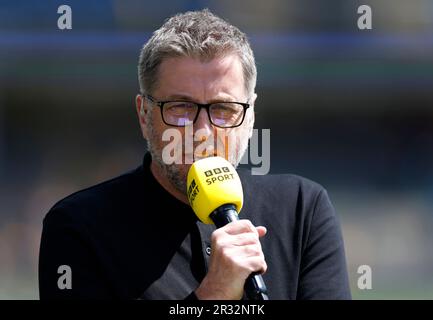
350, 109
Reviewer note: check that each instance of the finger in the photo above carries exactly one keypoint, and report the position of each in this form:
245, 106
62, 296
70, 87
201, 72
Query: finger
240, 226
261, 230
253, 250
256, 264
243, 252
245, 239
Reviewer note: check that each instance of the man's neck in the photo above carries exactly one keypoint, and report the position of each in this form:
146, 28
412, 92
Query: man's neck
163, 181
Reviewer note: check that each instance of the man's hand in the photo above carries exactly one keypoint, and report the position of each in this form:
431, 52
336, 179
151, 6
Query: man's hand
236, 253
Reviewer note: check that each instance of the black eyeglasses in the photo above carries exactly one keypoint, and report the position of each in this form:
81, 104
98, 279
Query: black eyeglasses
183, 113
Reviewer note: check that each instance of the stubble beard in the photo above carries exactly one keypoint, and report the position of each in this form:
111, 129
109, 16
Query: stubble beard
177, 173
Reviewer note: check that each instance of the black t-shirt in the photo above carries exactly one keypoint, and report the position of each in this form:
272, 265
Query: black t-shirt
128, 238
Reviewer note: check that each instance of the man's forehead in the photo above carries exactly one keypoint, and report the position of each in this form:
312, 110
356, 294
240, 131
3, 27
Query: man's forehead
221, 64
187, 77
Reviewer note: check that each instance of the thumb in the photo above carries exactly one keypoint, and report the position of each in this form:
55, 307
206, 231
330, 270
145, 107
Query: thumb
261, 230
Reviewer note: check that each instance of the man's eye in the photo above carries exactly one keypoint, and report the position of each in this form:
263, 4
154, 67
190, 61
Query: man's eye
180, 107
224, 109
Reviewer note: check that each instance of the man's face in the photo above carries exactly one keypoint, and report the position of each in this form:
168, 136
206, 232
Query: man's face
189, 79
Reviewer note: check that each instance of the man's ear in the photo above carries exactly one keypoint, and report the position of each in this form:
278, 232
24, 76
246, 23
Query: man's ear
141, 108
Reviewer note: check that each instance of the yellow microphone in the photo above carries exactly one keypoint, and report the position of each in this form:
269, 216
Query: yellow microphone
215, 194
213, 182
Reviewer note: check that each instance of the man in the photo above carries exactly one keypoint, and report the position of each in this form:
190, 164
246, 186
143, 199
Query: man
136, 237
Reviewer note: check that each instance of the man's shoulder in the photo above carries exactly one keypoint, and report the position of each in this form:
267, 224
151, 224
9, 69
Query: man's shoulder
281, 183
99, 197
295, 195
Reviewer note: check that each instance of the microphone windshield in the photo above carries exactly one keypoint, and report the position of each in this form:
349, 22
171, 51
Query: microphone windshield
211, 183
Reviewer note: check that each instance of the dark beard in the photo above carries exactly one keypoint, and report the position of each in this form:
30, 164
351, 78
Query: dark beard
177, 174
174, 173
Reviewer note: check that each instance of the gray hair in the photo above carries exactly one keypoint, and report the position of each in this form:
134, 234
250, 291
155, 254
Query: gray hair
197, 34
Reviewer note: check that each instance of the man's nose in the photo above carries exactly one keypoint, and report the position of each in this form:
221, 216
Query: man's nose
203, 123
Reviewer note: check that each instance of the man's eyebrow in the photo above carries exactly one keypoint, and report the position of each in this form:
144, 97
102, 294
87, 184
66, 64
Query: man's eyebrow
179, 97
184, 97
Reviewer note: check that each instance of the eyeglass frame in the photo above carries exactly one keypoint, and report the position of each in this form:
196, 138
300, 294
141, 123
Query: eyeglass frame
200, 106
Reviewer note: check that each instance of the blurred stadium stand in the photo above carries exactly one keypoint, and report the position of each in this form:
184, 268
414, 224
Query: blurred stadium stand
350, 109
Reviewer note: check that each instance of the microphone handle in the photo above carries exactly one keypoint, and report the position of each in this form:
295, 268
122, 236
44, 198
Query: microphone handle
255, 287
